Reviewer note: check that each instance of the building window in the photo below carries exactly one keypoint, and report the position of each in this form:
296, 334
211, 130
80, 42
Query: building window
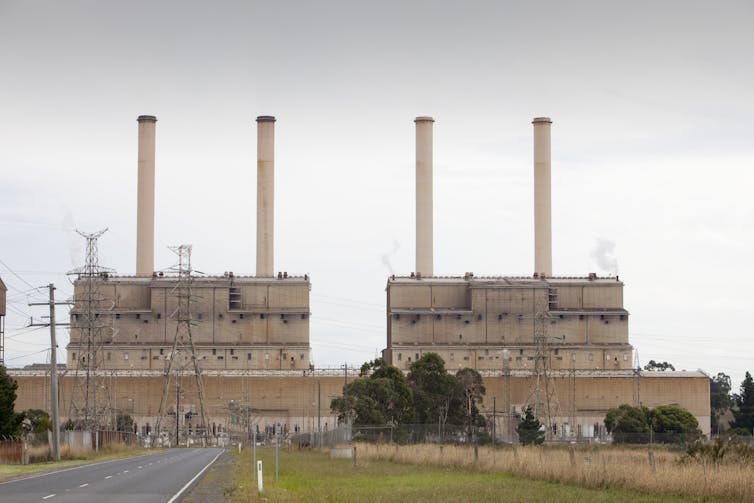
625, 357
109, 355
73, 356
301, 356
214, 351
591, 357
231, 351
400, 356
267, 356
125, 356
248, 356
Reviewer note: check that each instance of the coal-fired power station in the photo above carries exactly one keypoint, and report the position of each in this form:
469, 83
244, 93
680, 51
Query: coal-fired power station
547, 339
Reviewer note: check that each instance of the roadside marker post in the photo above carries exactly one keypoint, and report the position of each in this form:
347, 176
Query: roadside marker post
260, 485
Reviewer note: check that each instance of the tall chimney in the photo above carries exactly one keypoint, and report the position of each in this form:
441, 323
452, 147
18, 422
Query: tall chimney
145, 202
542, 198
265, 195
424, 265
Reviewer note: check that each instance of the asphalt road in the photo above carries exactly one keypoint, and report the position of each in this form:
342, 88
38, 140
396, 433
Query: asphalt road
161, 477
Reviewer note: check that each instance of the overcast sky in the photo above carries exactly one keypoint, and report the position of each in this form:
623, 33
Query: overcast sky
652, 151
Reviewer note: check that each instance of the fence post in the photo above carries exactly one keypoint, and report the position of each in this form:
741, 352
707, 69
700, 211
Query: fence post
572, 455
652, 459
354, 455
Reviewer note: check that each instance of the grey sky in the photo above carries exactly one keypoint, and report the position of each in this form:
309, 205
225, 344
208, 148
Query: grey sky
652, 150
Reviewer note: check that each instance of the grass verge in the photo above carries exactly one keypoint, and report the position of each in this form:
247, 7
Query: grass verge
75, 458
312, 476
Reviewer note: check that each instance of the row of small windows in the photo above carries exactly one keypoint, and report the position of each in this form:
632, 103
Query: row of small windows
249, 356
520, 317
200, 316
588, 357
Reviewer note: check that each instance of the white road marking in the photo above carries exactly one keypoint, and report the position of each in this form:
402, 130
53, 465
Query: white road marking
48, 496
140, 466
188, 484
83, 485
125, 471
108, 477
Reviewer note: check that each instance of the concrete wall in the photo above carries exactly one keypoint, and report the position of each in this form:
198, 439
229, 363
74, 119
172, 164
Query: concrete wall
583, 319
292, 397
240, 323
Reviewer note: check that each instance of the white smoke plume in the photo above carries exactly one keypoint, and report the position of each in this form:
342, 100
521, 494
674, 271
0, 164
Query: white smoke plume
603, 255
75, 242
385, 257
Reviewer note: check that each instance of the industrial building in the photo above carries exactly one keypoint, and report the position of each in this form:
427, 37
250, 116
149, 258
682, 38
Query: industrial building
249, 335
251, 323
3, 300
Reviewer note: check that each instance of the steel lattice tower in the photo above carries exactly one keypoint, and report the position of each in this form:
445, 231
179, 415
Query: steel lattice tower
183, 353
93, 317
542, 397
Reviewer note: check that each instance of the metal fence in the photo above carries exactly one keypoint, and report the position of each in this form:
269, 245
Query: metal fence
464, 435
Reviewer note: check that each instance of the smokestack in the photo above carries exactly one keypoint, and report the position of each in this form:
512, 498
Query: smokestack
542, 198
424, 195
145, 202
265, 195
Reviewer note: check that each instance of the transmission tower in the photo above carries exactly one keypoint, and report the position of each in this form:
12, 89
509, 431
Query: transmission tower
572, 392
92, 317
183, 354
542, 397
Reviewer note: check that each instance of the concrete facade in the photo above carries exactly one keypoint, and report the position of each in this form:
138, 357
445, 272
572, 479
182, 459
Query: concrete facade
470, 321
3, 297
300, 398
240, 322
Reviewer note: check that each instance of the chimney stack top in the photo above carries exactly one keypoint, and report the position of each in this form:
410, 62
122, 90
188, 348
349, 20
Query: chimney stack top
266, 118
541, 119
424, 118
146, 118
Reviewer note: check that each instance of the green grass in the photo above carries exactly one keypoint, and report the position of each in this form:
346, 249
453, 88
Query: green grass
312, 476
9, 472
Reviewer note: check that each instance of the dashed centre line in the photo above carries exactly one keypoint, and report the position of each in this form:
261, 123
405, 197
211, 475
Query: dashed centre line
48, 496
108, 477
83, 485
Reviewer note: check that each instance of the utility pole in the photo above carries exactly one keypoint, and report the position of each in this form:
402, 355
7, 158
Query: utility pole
54, 377
345, 391
177, 409
319, 414
494, 422
54, 409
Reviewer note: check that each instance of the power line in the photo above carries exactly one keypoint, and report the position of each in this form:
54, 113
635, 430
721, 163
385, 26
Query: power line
26, 355
17, 275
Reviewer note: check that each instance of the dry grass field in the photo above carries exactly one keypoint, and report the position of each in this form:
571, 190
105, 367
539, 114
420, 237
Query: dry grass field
589, 467
424, 474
